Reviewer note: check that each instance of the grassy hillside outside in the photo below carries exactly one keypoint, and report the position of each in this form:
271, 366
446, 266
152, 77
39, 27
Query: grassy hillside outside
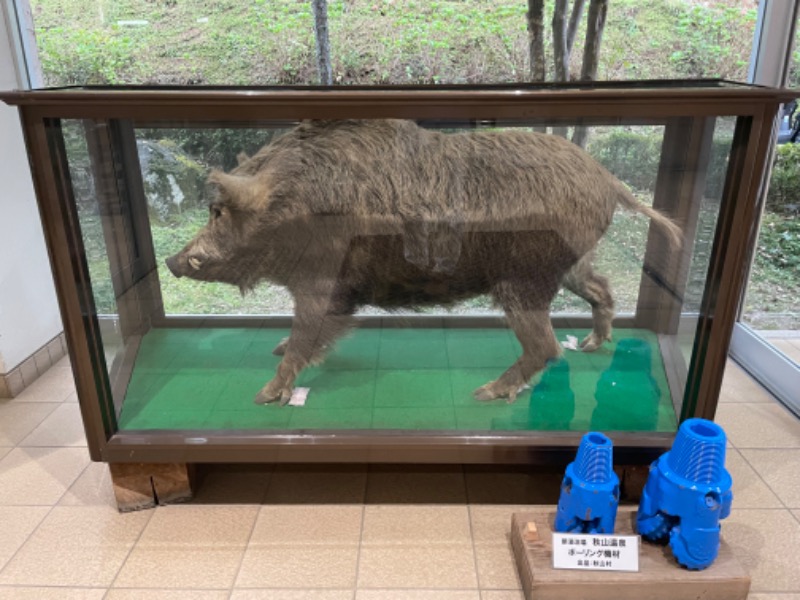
372, 41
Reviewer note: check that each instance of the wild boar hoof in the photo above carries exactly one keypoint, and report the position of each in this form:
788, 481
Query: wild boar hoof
262, 398
497, 389
592, 342
274, 392
280, 349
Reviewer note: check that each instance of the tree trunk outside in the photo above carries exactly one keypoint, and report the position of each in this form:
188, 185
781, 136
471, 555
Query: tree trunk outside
594, 35
320, 8
536, 39
595, 25
560, 52
572, 28
535, 19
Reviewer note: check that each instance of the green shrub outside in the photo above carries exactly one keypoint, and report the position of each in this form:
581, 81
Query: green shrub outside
86, 56
634, 158
709, 44
784, 189
215, 147
779, 243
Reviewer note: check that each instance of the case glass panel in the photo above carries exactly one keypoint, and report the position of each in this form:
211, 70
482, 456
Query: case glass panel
415, 267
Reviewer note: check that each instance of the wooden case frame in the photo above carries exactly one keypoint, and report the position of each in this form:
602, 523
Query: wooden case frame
686, 109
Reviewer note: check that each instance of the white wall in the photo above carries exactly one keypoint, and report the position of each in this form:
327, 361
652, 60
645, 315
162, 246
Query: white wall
29, 315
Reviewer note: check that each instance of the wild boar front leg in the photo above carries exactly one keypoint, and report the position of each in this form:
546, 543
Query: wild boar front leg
315, 327
530, 321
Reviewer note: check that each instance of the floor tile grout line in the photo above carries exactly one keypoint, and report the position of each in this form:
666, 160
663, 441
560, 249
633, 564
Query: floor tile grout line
47, 447
417, 588
246, 546
260, 505
20, 400
69, 487
162, 588
756, 471
358, 561
58, 407
54, 391
54, 587
360, 542
785, 413
474, 550
755, 405
38, 423
44, 518
152, 512
368, 469
28, 538
44, 387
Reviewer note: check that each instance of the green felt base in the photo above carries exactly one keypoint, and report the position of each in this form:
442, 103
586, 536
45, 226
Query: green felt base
419, 379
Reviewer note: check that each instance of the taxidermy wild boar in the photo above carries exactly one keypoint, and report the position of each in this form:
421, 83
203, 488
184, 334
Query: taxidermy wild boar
385, 213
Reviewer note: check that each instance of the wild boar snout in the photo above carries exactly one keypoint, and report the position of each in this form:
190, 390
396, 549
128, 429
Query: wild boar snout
174, 265
189, 262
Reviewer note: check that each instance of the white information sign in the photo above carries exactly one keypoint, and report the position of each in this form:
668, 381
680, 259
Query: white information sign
595, 552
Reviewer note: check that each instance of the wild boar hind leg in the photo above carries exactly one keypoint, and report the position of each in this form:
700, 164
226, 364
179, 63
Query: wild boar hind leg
530, 321
584, 282
315, 327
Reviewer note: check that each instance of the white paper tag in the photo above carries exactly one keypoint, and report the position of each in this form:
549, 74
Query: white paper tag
299, 396
571, 343
595, 552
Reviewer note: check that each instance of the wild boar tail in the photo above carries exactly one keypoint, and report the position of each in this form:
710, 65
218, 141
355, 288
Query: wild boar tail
668, 227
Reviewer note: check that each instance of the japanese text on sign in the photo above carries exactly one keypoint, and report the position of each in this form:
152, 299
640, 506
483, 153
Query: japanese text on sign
595, 552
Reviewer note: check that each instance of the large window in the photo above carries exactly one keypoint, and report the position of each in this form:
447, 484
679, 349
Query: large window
772, 305
766, 341
379, 41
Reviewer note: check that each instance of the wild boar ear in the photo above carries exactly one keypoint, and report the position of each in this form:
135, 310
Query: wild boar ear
241, 191
242, 158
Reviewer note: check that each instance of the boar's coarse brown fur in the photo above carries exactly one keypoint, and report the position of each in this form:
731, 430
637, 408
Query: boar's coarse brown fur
385, 213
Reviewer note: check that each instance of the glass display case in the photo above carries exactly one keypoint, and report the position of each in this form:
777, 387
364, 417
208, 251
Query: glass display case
422, 274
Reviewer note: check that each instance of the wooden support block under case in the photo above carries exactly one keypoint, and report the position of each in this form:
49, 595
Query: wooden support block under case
659, 576
144, 485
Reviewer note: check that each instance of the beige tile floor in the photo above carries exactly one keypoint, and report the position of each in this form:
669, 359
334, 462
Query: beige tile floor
333, 533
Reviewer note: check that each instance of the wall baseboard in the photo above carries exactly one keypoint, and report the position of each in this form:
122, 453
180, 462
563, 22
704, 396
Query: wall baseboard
30, 369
